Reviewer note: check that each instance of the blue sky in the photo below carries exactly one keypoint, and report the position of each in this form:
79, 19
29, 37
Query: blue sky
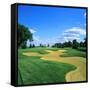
51, 25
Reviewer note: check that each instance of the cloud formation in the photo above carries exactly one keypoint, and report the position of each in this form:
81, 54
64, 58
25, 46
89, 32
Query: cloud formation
73, 33
68, 35
32, 31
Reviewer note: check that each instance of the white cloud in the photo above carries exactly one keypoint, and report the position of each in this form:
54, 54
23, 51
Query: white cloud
72, 33
37, 41
75, 31
32, 31
71, 38
36, 38
68, 35
49, 41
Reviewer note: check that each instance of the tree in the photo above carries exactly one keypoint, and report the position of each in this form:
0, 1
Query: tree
75, 44
40, 45
23, 46
81, 44
69, 44
48, 45
30, 46
65, 44
23, 35
85, 42
58, 45
53, 45
33, 45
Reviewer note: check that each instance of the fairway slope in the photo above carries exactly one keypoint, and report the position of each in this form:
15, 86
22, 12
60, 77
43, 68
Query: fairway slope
78, 74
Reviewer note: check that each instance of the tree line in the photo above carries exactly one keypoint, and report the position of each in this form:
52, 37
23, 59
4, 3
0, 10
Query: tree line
72, 44
24, 34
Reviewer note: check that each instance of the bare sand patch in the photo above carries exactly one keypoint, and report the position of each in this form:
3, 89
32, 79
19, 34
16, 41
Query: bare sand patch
31, 54
76, 75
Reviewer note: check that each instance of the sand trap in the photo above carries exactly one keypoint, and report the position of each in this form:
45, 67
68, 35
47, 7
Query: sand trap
32, 54
77, 75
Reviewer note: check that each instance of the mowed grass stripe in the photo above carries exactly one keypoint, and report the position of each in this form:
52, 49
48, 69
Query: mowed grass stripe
36, 71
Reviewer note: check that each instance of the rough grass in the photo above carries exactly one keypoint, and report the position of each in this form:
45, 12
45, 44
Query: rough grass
73, 52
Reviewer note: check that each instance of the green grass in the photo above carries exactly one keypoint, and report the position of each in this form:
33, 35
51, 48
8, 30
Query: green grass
73, 52
33, 70
82, 49
38, 50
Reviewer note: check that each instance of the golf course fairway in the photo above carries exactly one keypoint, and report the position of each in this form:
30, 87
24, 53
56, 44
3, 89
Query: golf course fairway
79, 74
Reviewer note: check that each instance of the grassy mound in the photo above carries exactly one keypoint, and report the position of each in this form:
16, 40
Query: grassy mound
73, 52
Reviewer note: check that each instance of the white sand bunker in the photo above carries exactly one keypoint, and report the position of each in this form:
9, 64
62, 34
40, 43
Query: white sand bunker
76, 75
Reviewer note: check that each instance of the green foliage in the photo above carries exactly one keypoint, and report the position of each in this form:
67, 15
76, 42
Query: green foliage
75, 44
23, 35
81, 44
48, 45
62, 45
67, 44
31, 46
58, 45
41, 45
23, 46
85, 42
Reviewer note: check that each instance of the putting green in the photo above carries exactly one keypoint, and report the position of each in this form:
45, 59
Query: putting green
77, 75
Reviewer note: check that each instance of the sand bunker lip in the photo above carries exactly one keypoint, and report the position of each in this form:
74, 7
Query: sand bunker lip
76, 75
